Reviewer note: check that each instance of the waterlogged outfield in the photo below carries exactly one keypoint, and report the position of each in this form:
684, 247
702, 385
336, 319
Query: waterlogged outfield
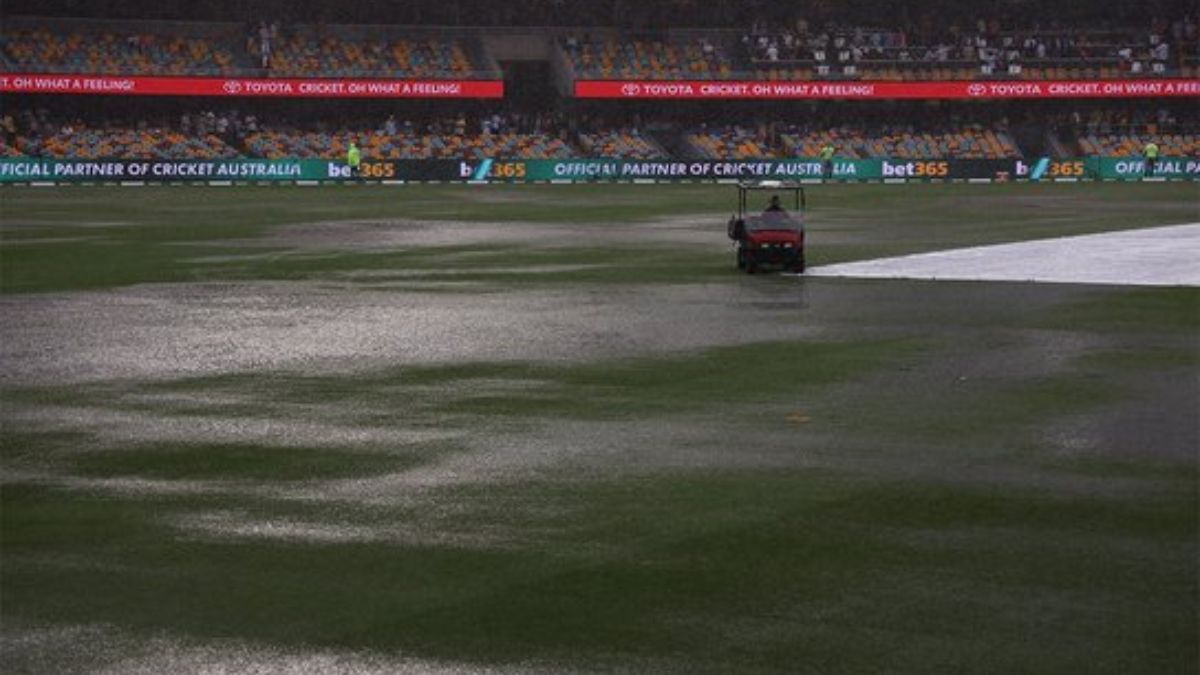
729, 473
80, 238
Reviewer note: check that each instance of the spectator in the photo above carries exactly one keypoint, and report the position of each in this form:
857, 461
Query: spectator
9, 125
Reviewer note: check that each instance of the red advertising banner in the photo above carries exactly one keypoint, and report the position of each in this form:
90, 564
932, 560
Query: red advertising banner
60, 83
958, 89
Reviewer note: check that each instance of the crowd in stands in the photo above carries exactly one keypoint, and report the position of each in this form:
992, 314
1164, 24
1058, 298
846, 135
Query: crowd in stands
855, 131
984, 47
200, 136
790, 48
229, 134
456, 137
797, 52
1124, 130
623, 14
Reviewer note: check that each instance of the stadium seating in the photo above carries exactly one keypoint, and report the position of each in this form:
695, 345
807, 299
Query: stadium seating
612, 59
899, 71
300, 56
1096, 54
275, 144
113, 53
620, 144
965, 143
7, 150
735, 142
731, 142
125, 143
1132, 143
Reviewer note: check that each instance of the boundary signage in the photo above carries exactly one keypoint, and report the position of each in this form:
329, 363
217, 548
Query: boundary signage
63, 171
273, 87
868, 89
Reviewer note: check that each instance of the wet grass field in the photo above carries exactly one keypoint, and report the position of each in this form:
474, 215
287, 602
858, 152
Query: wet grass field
550, 429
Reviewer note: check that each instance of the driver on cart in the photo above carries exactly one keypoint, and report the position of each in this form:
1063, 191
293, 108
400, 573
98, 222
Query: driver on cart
775, 206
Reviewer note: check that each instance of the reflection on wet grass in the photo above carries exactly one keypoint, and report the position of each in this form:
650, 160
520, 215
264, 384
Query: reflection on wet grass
210, 461
630, 388
737, 375
941, 534
88, 240
1137, 310
501, 266
1150, 357
736, 571
1147, 468
967, 412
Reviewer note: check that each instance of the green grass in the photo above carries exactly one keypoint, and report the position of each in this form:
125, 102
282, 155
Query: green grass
879, 491
238, 461
446, 395
54, 239
744, 571
990, 412
1140, 310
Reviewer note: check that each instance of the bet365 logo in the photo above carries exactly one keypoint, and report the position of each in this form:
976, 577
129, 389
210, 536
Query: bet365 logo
467, 171
338, 170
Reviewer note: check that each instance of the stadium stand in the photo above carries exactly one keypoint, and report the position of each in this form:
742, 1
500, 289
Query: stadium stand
114, 53
1131, 143
781, 48
275, 144
964, 143
7, 150
730, 142
878, 54
79, 142
623, 143
205, 135
968, 142
631, 58
423, 58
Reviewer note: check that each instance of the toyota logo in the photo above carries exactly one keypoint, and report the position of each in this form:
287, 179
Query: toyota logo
631, 89
977, 90
233, 87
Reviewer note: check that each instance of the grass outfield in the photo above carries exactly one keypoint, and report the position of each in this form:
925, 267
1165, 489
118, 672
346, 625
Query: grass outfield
549, 428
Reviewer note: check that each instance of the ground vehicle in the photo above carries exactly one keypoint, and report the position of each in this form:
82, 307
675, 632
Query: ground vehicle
773, 238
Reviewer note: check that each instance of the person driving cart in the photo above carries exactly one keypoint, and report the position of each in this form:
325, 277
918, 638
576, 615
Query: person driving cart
774, 238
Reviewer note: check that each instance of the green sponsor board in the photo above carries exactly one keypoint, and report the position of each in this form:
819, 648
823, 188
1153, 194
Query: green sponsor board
26, 170
596, 170
616, 169
33, 170
1134, 168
